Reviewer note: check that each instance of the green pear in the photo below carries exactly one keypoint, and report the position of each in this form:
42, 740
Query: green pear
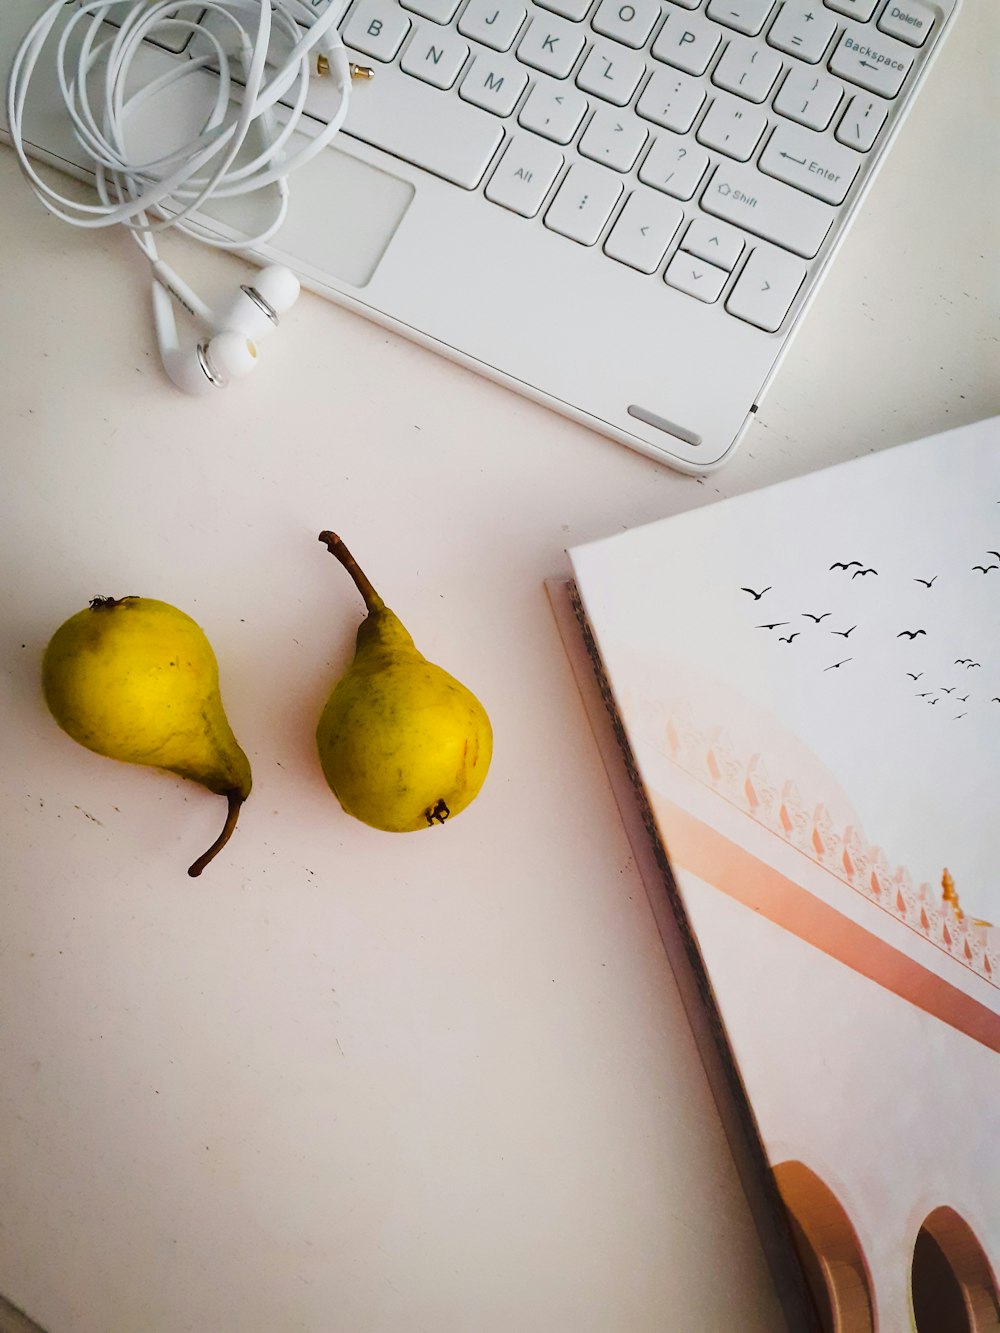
403, 744
135, 679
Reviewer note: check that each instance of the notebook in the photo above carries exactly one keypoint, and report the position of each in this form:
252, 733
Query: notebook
809, 720
620, 210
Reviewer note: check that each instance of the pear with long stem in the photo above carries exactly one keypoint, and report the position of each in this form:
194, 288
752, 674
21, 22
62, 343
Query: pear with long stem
403, 744
135, 679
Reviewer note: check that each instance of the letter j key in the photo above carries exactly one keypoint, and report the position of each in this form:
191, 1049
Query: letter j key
495, 23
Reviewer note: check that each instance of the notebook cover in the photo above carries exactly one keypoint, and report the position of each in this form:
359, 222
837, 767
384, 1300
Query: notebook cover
807, 681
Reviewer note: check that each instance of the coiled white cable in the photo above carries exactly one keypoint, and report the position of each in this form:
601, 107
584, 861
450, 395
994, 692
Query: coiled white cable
263, 52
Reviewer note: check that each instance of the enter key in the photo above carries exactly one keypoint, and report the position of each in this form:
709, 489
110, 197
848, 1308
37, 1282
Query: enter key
811, 162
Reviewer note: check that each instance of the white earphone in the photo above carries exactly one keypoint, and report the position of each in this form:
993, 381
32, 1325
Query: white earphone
264, 51
231, 350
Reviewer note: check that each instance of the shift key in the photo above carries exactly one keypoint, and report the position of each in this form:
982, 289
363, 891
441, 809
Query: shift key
775, 212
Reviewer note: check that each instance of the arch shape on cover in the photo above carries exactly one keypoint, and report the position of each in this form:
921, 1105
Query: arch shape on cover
828, 1246
953, 1287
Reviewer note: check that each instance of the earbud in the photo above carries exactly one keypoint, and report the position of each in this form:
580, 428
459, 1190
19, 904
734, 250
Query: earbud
211, 364
257, 308
232, 352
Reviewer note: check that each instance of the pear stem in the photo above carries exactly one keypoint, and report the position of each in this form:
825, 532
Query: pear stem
336, 547
235, 799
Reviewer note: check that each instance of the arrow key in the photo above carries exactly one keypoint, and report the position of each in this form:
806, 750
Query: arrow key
766, 288
643, 230
715, 241
696, 277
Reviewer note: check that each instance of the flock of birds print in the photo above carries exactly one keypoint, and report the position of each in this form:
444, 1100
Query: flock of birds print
858, 569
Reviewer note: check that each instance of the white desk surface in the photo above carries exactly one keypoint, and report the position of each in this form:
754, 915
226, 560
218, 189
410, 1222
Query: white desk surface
351, 1082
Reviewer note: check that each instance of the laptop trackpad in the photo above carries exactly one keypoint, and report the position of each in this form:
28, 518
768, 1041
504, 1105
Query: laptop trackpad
342, 214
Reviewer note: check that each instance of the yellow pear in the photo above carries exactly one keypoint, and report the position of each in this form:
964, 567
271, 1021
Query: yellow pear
135, 679
403, 744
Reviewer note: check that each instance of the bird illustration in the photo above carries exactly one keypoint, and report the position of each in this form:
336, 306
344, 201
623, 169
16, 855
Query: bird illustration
930, 582
840, 564
948, 689
790, 637
835, 665
926, 694
756, 595
995, 700
844, 633
962, 661
996, 553
958, 715
961, 698
970, 665
864, 571
986, 568
935, 701
809, 616
778, 624
916, 676
910, 633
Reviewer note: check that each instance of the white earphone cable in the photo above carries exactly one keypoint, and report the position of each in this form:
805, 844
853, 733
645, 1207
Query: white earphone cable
260, 55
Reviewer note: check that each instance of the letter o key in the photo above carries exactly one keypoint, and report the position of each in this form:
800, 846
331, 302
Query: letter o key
626, 13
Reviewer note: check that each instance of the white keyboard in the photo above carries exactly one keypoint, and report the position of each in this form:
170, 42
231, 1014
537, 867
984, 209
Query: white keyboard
618, 207
667, 136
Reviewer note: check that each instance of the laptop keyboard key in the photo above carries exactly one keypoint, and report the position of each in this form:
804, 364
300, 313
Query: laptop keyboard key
643, 230
553, 110
377, 28
611, 72
861, 122
613, 138
910, 21
802, 29
524, 174
687, 42
764, 292
775, 212
584, 202
551, 46
877, 64
732, 127
434, 55
696, 277
747, 70
495, 23
494, 83
674, 165
810, 162
808, 97
629, 24
746, 16
715, 241
671, 100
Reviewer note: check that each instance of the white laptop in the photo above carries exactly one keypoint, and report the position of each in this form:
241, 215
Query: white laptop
621, 208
